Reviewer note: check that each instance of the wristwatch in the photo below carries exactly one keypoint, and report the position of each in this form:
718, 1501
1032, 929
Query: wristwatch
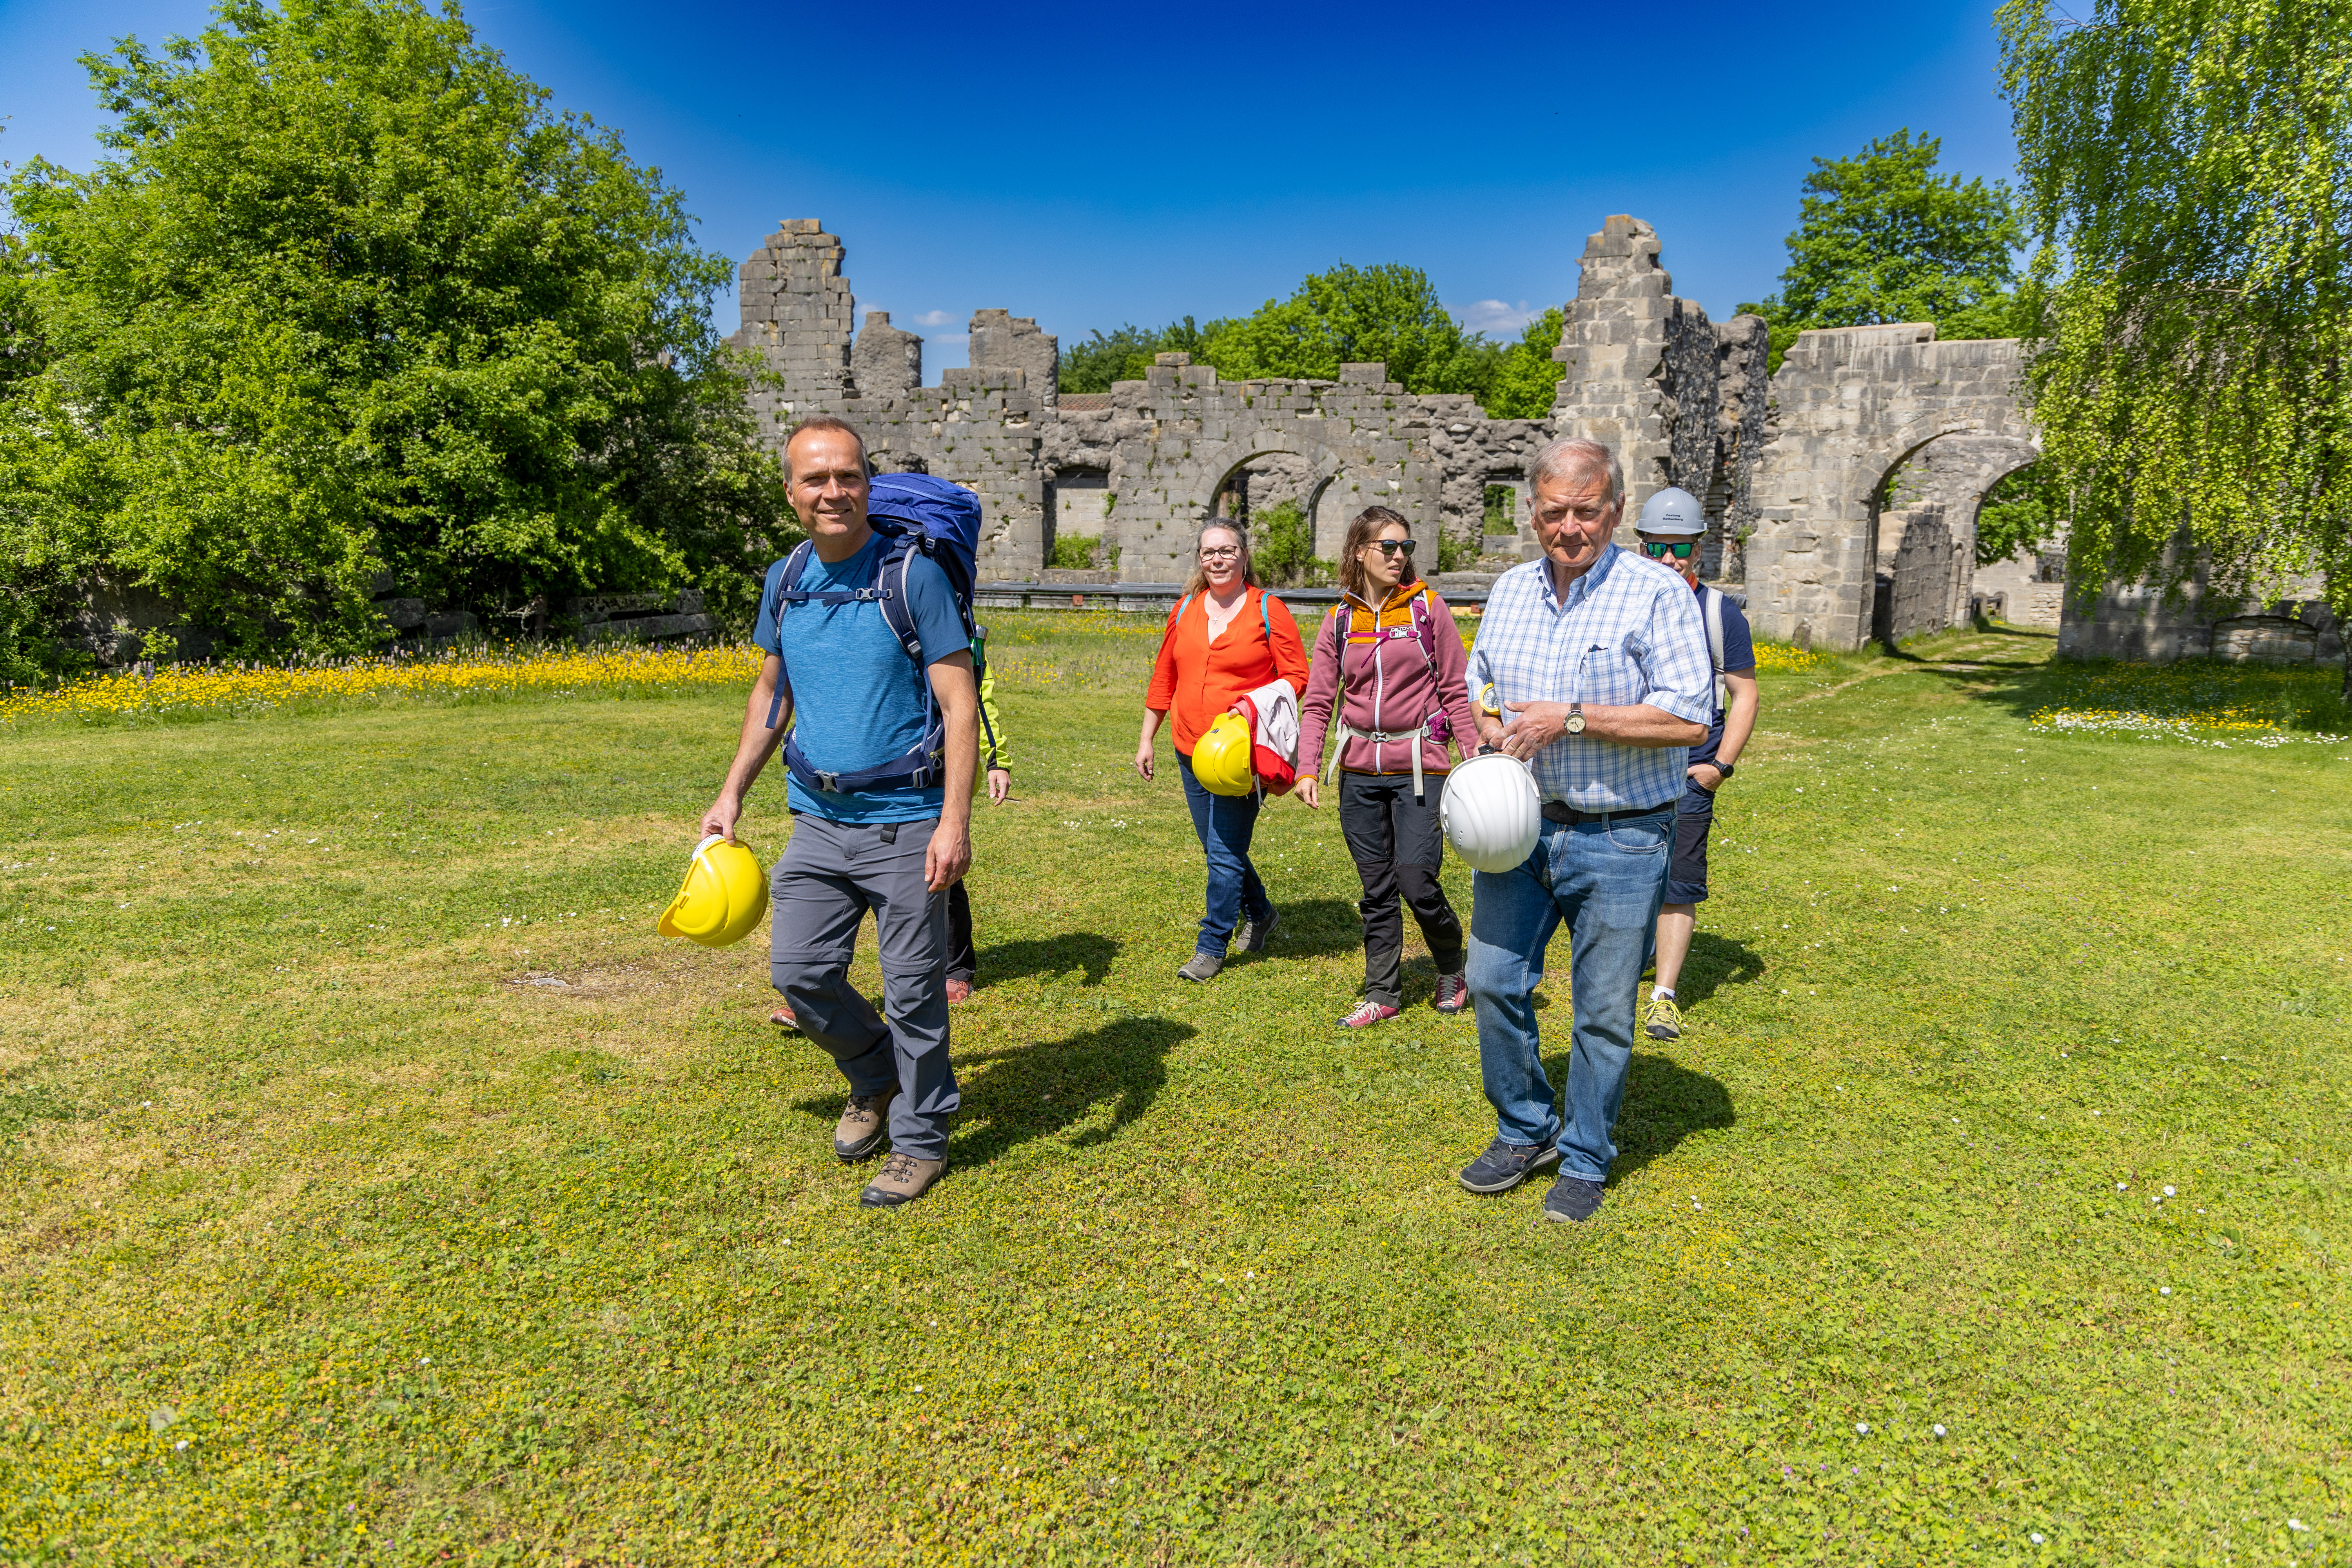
1722, 768
1574, 723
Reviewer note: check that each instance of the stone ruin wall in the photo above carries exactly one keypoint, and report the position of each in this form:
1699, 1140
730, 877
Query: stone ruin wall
1840, 493
1682, 398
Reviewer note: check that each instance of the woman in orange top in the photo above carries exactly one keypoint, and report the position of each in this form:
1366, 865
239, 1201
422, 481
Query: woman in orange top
1225, 638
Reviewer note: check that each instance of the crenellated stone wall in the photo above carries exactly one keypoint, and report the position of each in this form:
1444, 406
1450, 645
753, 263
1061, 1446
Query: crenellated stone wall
1795, 472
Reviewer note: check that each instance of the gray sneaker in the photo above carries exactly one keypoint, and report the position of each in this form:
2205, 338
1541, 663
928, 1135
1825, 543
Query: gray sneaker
1201, 966
1573, 1200
1504, 1165
1252, 936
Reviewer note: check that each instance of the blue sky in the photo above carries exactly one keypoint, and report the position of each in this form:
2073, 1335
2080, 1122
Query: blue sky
1090, 165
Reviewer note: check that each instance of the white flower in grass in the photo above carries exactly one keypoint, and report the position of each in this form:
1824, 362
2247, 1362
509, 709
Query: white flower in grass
1861, 1428
1940, 1428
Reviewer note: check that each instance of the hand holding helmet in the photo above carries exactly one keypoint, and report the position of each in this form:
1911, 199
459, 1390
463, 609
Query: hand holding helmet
1492, 811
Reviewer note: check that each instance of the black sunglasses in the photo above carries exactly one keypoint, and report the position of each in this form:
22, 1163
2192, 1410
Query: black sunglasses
1395, 547
1658, 549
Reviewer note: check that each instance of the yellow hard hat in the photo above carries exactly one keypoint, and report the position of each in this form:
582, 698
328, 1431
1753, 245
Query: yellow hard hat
722, 896
1221, 759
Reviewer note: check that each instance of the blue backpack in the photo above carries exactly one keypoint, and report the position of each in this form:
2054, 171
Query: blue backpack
916, 515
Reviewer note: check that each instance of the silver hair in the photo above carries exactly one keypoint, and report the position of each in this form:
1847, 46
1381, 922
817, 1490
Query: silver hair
1573, 457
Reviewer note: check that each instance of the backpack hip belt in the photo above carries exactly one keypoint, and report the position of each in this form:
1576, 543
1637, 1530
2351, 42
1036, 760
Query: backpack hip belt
1379, 738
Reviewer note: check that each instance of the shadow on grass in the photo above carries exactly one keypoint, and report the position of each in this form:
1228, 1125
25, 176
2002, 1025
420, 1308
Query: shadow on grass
1714, 962
1041, 1090
1314, 928
1665, 1103
1087, 950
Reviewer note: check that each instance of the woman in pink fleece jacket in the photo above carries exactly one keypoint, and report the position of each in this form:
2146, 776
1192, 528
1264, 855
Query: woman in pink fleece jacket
1392, 657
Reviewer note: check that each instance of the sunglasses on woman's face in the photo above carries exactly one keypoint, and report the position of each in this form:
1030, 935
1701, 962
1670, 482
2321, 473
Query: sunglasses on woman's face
1392, 548
1680, 548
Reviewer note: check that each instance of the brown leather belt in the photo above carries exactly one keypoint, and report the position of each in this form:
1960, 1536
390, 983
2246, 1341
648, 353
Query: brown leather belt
1560, 811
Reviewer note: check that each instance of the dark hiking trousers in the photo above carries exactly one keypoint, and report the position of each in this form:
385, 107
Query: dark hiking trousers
830, 875
963, 959
1397, 845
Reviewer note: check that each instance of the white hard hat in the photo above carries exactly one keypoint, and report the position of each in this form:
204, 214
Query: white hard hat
1492, 811
1672, 510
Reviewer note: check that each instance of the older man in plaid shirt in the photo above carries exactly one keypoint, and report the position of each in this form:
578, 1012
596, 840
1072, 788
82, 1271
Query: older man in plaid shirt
1598, 659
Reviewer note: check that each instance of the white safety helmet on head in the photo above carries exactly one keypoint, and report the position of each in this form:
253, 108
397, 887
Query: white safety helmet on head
1492, 813
1672, 510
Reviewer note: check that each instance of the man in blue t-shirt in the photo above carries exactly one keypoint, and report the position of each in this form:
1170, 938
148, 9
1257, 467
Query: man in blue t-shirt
1670, 530
858, 704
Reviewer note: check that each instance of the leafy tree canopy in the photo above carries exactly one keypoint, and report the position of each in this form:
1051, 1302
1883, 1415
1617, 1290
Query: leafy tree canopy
1348, 315
2189, 164
1526, 375
347, 298
2022, 511
1882, 237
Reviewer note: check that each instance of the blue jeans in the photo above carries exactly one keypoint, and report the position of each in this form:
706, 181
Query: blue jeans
1606, 880
1225, 823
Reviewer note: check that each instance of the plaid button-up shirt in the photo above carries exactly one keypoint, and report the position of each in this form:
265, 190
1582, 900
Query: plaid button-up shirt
1626, 632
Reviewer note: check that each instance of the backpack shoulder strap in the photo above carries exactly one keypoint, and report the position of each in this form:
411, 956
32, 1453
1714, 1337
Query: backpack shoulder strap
898, 611
1713, 617
1421, 634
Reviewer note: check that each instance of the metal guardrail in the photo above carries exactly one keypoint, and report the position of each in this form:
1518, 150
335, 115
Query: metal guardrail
1149, 597
1459, 588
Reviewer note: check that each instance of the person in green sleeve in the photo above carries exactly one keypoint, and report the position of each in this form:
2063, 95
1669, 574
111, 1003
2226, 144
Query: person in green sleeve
996, 759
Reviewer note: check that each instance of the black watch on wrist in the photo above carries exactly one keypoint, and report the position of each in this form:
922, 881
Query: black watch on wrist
1722, 768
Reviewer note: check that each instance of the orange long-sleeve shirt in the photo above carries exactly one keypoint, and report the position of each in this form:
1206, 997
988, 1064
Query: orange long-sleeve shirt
1197, 680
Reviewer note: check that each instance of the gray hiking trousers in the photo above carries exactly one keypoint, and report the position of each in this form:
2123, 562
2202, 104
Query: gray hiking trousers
831, 874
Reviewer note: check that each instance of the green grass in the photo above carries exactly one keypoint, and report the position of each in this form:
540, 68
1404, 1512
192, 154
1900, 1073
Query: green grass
425, 1260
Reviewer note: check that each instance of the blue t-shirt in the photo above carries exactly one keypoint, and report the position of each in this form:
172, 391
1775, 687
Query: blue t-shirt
1739, 654
857, 701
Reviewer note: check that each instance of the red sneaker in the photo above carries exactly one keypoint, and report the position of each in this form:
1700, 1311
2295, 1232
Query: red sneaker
1453, 993
1367, 1013
958, 991
783, 1015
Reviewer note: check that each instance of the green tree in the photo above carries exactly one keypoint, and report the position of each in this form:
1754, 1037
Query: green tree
1350, 314
1124, 356
1282, 547
2022, 511
1882, 237
2189, 164
1355, 314
347, 298
1527, 376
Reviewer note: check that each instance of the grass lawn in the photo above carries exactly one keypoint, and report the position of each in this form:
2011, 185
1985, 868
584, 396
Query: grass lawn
380, 1188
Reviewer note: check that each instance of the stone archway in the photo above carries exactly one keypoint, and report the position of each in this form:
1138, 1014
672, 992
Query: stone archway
1924, 529
1849, 408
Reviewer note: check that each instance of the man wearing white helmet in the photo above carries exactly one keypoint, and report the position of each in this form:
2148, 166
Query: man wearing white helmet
1670, 530
1599, 662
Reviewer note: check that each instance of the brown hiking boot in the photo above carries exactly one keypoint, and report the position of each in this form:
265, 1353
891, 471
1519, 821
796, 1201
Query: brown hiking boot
902, 1181
863, 1126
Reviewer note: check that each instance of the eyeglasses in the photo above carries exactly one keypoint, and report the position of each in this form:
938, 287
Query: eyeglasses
1658, 549
1392, 548
1220, 551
